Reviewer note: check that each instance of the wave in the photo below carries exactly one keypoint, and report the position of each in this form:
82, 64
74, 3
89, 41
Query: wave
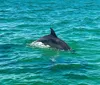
39, 44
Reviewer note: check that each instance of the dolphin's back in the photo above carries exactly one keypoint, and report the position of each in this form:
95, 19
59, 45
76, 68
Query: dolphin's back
54, 42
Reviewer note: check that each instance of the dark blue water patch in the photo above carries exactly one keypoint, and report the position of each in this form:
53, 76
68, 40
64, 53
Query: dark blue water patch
75, 76
8, 47
12, 30
26, 26
6, 34
7, 19
65, 66
5, 48
62, 22
20, 82
20, 69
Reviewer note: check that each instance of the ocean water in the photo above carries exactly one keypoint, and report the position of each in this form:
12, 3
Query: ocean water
77, 22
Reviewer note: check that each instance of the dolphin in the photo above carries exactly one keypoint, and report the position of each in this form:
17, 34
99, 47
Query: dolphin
54, 42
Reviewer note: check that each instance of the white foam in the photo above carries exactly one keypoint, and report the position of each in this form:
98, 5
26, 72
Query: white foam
39, 44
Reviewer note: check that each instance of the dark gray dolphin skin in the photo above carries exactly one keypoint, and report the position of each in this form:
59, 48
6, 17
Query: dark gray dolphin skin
53, 41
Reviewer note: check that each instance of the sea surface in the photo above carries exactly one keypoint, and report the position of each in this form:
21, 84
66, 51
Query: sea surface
77, 22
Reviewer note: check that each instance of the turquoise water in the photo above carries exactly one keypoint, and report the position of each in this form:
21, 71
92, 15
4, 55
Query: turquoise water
77, 22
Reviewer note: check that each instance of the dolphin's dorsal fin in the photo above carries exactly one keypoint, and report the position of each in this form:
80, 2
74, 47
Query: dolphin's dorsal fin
53, 33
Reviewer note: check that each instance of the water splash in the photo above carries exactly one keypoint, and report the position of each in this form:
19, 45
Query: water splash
39, 44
